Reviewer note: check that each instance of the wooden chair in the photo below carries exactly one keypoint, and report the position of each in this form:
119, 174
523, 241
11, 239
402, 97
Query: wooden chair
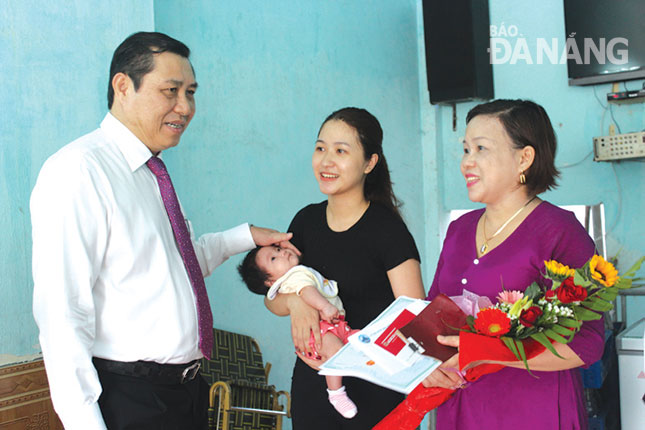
240, 397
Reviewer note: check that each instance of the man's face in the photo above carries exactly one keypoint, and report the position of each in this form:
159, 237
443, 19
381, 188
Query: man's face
161, 109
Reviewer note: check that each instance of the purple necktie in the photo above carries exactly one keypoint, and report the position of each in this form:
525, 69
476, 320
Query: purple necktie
187, 252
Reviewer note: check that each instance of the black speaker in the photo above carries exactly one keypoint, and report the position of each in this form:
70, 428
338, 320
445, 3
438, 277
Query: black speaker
457, 38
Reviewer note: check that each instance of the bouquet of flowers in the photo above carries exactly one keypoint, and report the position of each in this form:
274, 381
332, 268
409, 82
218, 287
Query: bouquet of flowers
555, 314
522, 325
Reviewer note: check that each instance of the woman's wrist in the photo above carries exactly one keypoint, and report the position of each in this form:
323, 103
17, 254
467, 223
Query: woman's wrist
291, 301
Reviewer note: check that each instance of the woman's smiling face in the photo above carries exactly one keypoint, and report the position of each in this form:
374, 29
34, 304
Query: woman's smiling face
339, 161
490, 163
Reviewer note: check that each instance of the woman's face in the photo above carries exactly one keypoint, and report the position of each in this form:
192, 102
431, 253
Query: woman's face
339, 161
490, 163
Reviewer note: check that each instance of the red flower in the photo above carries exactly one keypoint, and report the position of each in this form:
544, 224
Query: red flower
569, 292
528, 316
549, 295
492, 322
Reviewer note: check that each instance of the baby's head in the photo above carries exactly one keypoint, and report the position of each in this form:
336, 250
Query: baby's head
264, 265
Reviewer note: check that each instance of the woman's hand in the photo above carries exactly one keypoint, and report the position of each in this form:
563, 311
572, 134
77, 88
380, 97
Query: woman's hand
311, 362
304, 321
447, 375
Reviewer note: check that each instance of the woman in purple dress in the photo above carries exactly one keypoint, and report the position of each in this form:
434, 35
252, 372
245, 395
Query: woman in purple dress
509, 151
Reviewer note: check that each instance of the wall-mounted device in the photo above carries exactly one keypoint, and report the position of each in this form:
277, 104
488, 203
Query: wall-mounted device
457, 40
608, 43
625, 95
619, 146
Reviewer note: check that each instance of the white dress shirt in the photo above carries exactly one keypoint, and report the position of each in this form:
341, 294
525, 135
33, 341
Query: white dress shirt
109, 281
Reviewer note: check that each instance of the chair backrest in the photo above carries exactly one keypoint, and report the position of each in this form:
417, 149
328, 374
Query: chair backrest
234, 357
595, 226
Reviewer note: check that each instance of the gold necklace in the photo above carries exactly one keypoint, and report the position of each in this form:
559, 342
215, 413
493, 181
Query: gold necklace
484, 246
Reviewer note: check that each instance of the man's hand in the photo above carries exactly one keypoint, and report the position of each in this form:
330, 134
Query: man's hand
266, 236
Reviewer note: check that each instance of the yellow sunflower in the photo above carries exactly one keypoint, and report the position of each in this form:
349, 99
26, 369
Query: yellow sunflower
557, 269
603, 271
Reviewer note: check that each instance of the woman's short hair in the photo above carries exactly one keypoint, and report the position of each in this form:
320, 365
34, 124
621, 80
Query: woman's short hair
527, 124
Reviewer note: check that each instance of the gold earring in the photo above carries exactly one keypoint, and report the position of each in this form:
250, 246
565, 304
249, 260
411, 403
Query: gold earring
522, 178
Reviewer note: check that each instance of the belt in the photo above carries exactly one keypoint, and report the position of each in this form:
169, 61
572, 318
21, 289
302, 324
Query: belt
149, 370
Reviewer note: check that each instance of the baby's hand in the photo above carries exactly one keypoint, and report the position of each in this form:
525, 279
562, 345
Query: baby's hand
329, 313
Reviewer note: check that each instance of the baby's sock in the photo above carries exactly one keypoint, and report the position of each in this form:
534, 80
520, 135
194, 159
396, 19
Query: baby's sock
342, 403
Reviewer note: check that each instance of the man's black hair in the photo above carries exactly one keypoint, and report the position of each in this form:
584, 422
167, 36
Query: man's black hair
134, 57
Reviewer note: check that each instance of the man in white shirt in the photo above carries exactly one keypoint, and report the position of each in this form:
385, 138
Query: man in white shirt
112, 297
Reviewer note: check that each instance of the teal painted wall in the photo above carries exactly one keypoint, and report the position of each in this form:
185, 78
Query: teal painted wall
577, 113
54, 61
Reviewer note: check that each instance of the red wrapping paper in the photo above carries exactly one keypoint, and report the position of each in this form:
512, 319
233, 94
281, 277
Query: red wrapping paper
472, 347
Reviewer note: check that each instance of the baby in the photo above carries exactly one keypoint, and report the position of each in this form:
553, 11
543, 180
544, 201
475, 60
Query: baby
272, 270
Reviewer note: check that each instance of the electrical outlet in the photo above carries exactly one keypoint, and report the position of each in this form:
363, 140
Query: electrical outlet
619, 146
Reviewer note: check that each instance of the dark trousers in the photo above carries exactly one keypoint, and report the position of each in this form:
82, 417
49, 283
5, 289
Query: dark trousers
132, 403
311, 410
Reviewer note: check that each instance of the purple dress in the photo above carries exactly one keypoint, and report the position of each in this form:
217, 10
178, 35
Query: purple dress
512, 398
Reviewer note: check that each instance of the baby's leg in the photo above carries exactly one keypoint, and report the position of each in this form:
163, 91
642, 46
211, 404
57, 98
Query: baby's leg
337, 395
330, 346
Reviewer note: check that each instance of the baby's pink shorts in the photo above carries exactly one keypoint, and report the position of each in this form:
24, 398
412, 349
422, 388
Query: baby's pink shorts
340, 329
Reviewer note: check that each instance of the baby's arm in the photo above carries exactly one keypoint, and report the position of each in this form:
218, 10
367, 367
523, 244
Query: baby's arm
313, 298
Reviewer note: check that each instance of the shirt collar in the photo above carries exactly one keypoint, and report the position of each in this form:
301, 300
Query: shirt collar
135, 152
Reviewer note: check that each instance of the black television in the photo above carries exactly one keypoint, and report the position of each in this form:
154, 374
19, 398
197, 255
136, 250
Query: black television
609, 38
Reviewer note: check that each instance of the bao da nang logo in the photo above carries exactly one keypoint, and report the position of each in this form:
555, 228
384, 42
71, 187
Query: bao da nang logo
507, 46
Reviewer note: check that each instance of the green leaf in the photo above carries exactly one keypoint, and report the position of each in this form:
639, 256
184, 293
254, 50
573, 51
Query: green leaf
563, 331
542, 339
635, 268
608, 294
555, 336
520, 350
585, 314
533, 291
608, 305
579, 279
569, 322
598, 304
470, 320
511, 345
623, 283
591, 305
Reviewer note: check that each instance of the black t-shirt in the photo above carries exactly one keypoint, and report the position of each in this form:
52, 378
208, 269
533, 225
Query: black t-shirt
358, 258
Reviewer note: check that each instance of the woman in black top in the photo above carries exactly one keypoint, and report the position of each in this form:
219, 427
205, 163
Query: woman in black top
358, 238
